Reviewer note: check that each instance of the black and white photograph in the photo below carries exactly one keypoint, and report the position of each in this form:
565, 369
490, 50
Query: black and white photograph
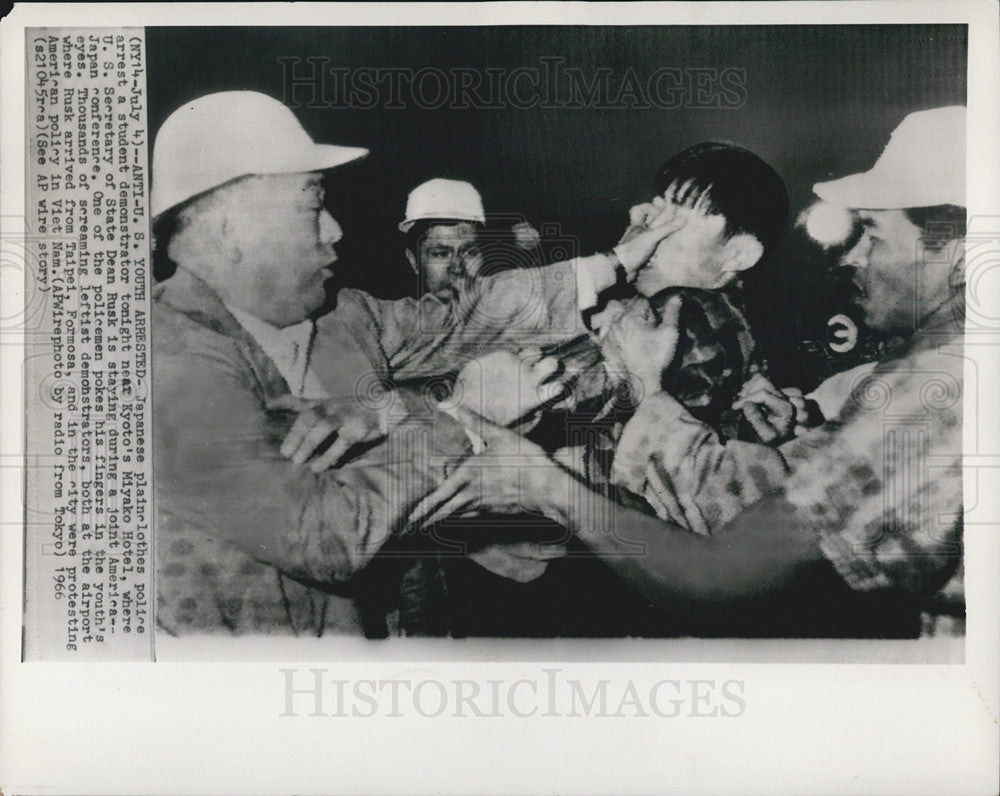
425, 377
526, 332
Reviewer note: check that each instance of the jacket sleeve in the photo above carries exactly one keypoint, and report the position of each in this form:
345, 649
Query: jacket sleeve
882, 486
686, 473
218, 467
520, 307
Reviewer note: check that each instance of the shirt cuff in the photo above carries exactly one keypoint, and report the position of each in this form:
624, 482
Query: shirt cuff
593, 274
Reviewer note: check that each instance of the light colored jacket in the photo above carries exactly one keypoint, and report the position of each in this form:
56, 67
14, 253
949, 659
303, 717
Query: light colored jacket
246, 540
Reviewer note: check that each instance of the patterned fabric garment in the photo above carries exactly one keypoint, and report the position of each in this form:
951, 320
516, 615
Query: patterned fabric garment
715, 357
716, 354
880, 484
687, 473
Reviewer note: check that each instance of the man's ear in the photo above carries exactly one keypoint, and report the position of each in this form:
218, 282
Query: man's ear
741, 252
412, 260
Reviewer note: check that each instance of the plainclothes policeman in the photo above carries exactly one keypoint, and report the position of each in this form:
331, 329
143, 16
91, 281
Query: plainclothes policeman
249, 541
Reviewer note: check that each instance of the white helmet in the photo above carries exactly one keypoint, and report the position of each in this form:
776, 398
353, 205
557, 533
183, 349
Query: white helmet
438, 198
219, 137
922, 165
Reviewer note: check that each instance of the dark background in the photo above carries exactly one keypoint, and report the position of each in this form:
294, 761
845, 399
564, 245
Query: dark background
820, 103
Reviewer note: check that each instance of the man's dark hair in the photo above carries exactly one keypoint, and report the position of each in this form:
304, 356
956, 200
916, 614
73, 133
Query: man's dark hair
734, 183
938, 224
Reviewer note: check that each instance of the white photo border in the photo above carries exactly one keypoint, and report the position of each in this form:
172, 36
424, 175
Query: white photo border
208, 726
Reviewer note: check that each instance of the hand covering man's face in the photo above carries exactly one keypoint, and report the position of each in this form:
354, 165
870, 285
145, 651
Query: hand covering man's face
699, 254
280, 246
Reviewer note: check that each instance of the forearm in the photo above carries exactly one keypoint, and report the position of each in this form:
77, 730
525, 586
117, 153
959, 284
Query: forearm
686, 473
540, 301
365, 501
760, 553
533, 306
323, 527
219, 469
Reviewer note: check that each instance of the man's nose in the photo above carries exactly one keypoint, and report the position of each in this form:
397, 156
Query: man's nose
329, 230
456, 263
857, 257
